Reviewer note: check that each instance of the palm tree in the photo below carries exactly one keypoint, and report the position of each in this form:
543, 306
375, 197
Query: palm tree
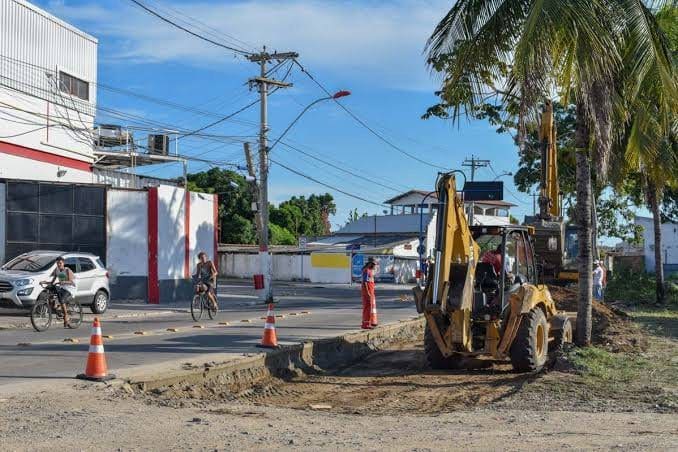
528, 49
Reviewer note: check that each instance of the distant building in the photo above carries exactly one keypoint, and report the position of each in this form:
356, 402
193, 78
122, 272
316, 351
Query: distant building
669, 244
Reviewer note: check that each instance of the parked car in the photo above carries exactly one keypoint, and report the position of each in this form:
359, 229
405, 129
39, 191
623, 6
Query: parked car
20, 279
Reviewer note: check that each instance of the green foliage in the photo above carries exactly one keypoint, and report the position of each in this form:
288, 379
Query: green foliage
638, 288
291, 219
281, 236
354, 215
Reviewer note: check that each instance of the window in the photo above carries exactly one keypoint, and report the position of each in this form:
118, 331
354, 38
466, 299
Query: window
86, 265
70, 262
73, 86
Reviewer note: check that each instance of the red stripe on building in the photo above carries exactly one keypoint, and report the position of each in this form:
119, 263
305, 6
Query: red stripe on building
46, 157
215, 206
153, 284
187, 234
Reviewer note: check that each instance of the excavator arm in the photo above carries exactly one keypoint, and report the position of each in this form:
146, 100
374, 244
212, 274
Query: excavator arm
448, 295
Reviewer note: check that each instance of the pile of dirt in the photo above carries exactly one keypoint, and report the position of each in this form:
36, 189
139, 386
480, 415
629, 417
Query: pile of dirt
611, 328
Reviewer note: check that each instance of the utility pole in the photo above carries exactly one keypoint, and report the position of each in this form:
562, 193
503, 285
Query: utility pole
263, 83
253, 187
474, 163
534, 203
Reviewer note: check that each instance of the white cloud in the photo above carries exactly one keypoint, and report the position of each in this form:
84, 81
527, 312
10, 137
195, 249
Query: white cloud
366, 40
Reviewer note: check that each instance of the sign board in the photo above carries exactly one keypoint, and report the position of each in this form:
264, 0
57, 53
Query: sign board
484, 191
357, 263
303, 242
353, 247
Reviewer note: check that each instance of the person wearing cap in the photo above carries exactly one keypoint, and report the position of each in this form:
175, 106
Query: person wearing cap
598, 278
368, 295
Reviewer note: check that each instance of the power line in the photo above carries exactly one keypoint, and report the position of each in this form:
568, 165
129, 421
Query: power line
365, 125
508, 189
306, 176
197, 35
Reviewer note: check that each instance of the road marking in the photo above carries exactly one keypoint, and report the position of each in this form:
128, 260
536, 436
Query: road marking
107, 336
199, 326
224, 323
280, 316
141, 333
263, 318
24, 344
172, 330
248, 320
72, 340
305, 312
293, 313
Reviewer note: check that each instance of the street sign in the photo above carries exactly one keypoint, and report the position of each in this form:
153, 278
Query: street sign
303, 242
357, 263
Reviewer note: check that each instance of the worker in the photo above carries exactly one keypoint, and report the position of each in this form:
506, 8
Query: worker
598, 280
494, 258
368, 296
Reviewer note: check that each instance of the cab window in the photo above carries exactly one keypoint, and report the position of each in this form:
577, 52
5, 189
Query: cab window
516, 252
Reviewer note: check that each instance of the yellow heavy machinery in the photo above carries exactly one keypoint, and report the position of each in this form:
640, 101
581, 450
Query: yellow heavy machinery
474, 311
555, 242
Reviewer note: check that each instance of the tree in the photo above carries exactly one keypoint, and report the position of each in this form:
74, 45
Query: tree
522, 50
355, 216
281, 236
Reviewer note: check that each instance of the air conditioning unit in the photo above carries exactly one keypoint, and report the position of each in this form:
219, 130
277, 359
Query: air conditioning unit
110, 135
158, 144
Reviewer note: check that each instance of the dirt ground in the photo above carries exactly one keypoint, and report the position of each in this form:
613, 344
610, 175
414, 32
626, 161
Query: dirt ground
391, 400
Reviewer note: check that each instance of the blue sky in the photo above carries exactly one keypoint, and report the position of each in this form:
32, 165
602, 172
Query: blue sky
372, 48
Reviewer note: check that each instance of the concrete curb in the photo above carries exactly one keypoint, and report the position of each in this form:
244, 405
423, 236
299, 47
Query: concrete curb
309, 357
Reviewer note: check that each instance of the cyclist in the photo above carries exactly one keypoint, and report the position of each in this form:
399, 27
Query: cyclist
206, 273
66, 285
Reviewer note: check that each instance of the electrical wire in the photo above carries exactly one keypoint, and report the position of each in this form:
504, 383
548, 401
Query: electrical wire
197, 35
311, 178
516, 197
364, 124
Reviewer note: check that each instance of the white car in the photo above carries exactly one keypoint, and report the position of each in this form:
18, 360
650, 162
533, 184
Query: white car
20, 279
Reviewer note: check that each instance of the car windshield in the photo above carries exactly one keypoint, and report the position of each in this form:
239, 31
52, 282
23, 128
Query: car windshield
31, 262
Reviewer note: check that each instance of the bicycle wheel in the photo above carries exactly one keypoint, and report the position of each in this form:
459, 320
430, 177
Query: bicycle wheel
196, 307
41, 316
211, 310
74, 314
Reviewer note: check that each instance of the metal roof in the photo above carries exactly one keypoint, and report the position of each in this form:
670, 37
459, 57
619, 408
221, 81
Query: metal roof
387, 224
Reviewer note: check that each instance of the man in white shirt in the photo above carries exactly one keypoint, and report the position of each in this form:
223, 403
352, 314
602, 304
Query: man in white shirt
598, 276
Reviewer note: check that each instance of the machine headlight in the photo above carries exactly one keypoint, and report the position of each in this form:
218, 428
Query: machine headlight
25, 292
23, 282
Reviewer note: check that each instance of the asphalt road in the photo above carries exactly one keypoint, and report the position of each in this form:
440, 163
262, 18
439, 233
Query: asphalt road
28, 356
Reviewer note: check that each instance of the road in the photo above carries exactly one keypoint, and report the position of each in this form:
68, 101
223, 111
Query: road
28, 356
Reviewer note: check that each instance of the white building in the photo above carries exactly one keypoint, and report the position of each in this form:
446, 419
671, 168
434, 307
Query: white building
60, 190
669, 244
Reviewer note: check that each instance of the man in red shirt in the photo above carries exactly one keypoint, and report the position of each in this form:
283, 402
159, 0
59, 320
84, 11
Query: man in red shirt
493, 257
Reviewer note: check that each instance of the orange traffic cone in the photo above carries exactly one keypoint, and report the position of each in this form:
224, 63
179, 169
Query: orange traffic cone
96, 369
373, 314
269, 340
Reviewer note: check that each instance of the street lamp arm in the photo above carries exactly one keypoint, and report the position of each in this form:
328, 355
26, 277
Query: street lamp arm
336, 95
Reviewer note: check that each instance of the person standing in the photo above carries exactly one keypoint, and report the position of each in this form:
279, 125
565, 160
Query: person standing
598, 279
368, 296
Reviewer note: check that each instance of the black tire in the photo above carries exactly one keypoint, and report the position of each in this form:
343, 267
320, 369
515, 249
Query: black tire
41, 314
561, 335
196, 308
74, 310
529, 350
435, 358
99, 302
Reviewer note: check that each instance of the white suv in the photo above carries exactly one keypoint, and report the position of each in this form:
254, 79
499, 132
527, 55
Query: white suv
20, 279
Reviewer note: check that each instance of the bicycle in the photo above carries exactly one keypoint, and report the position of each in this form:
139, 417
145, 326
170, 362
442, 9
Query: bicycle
48, 305
201, 302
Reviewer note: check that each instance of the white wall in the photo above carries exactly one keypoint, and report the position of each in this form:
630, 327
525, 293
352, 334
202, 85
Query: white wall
669, 242
201, 226
171, 233
325, 268
286, 267
30, 35
127, 233
13, 167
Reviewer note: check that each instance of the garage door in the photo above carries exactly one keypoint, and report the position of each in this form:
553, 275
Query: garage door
64, 217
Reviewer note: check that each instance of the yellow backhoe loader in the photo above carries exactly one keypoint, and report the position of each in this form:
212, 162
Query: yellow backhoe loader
487, 307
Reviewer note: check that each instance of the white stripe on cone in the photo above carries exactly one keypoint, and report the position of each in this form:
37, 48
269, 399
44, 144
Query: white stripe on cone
96, 348
96, 331
269, 326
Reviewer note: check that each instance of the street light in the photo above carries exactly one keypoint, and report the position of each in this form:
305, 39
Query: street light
335, 96
505, 173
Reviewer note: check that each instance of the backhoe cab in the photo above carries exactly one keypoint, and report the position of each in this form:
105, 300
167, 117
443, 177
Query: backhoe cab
482, 296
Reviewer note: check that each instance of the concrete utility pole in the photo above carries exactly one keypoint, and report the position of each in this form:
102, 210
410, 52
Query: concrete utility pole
254, 188
263, 82
474, 163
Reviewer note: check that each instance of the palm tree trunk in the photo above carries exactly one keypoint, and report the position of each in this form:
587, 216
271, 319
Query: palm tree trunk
583, 217
653, 198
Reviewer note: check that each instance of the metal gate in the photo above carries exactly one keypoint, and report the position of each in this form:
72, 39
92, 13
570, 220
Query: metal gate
49, 216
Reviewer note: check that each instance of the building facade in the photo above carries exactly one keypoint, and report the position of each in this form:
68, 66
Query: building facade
669, 245
57, 190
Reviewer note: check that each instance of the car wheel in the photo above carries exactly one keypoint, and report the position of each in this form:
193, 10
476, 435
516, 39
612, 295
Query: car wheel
100, 303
